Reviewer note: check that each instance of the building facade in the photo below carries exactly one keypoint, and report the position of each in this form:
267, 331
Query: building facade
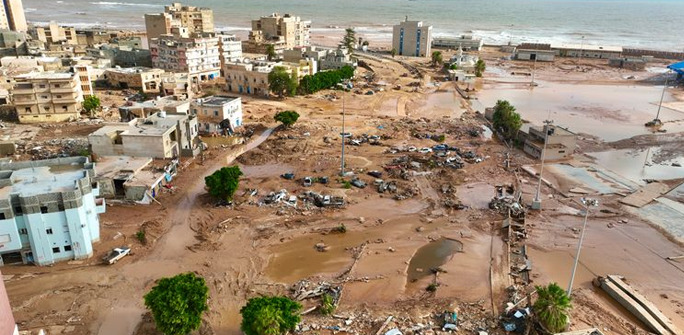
85, 76
48, 211
146, 79
465, 42
560, 142
12, 15
248, 78
55, 34
196, 20
288, 29
230, 48
177, 85
47, 97
218, 114
197, 56
412, 38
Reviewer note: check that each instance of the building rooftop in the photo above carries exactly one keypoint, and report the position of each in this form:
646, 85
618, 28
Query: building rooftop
47, 75
162, 120
586, 47
131, 130
558, 131
115, 166
41, 179
156, 103
216, 100
132, 70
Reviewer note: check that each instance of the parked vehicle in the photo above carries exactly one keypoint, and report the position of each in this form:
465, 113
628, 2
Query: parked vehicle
358, 183
375, 173
116, 254
323, 180
292, 201
425, 150
288, 176
440, 147
307, 181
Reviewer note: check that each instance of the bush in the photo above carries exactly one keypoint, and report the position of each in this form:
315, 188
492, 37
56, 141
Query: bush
90, 104
287, 118
223, 183
270, 316
432, 288
327, 304
177, 303
346, 184
140, 235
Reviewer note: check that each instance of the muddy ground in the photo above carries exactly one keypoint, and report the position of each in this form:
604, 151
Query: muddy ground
251, 248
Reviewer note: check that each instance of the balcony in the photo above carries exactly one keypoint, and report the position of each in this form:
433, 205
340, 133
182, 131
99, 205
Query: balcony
64, 100
63, 89
23, 89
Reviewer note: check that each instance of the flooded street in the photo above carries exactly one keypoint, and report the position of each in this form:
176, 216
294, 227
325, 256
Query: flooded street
610, 112
431, 256
637, 164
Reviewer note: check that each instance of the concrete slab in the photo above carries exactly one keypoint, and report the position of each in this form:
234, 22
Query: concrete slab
645, 195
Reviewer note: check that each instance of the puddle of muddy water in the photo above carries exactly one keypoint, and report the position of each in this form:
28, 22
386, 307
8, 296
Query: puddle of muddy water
430, 256
297, 259
636, 164
442, 103
611, 112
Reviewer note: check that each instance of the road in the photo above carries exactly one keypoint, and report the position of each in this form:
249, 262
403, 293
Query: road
166, 258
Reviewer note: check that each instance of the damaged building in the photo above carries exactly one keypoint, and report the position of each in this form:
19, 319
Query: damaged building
132, 178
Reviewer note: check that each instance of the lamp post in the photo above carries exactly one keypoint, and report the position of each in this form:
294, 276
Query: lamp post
587, 202
536, 203
581, 51
344, 87
662, 95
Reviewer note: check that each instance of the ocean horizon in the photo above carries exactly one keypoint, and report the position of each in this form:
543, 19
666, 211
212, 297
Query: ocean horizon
650, 24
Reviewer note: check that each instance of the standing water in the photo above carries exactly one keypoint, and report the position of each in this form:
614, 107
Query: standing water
431, 256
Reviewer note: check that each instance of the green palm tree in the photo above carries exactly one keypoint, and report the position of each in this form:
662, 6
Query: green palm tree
551, 307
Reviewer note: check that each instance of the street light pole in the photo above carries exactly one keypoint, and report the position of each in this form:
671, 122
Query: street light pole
536, 203
587, 202
343, 138
662, 95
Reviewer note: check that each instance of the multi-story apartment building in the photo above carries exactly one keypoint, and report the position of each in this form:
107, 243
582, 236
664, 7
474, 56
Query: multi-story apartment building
218, 114
230, 48
196, 55
12, 15
48, 210
290, 30
47, 97
145, 79
248, 78
84, 73
196, 20
412, 38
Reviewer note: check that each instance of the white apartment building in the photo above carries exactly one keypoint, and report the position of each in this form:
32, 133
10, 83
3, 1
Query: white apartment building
47, 97
48, 211
230, 48
218, 114
197, 56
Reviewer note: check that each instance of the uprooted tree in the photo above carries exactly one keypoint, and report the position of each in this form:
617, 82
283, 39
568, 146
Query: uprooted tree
506, 120
223, 183
177, 303
287, 118
551, 308
270, 316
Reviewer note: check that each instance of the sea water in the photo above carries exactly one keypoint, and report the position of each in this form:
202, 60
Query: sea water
652, 24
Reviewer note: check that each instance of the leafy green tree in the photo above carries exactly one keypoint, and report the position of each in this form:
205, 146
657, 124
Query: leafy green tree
349, 39
393, 52
177, 303
551, 307
270, 316
281, 82
436, 58
506, 120
480, 67
90, 104
324, 80
270, 52
223, 183
287, 118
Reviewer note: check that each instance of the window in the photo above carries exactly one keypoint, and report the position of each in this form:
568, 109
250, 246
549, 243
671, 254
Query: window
23, 231
43, 96
55, 250
48, 231
43, 209
41, 86
67, 248
2, 216
215, 113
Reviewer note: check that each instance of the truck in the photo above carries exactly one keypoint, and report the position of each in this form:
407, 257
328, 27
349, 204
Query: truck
116, 254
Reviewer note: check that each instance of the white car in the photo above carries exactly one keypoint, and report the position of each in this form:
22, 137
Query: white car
425, 150
412, 149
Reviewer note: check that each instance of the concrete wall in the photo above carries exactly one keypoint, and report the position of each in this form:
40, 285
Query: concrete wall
7, 323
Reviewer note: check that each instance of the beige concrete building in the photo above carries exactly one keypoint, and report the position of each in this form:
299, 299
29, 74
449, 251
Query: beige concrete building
177, 85
146, 79
47, 97
289, 30
197, 56
143, 110
160, 135
12, 15
560, 144
248, 78
218, 114
55, 34
412, 38
196, 20
85, 75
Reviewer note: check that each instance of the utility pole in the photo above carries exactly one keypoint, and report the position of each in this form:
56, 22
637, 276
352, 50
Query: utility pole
343, 138
581, 51
662, 95
536, 203
586, 202
534, 69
